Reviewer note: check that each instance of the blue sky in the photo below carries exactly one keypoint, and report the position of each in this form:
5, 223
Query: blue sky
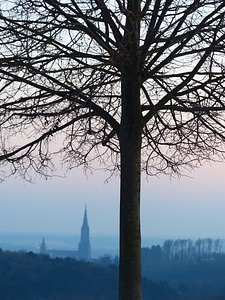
191, 206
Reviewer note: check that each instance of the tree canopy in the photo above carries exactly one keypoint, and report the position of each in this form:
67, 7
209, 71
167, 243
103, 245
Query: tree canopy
61, 65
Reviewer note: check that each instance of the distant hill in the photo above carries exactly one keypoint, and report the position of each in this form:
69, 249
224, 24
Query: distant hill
29, 276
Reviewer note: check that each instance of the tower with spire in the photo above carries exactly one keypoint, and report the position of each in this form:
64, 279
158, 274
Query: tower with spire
43, 249
84, 247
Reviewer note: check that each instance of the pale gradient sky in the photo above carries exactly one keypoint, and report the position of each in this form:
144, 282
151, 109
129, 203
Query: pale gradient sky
187, 207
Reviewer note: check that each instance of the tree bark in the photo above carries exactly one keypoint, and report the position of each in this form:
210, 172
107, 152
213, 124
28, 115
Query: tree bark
130, 147
130, 150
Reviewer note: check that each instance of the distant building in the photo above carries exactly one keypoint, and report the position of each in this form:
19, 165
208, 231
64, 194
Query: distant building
43, 249
62, 253
84, 247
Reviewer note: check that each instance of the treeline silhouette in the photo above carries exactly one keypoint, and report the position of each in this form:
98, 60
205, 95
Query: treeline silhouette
187, 249
195, 269
177, 270
29, 276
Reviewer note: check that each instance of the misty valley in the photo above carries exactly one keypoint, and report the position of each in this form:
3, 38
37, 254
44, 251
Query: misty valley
180, 269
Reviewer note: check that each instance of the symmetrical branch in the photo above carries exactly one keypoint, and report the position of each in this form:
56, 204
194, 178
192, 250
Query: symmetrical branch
60, 71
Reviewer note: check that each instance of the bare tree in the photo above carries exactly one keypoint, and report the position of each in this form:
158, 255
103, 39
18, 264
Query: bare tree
136, 84
218, 245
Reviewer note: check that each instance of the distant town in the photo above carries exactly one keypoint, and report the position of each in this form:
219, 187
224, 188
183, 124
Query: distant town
173, 269
84, 248
87, 248
59, 245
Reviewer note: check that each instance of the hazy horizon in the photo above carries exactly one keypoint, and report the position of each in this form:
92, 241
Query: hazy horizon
189, 207
100, 244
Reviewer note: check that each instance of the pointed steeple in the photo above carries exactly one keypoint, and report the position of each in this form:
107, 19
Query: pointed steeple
43, 249
84, 248
85, 220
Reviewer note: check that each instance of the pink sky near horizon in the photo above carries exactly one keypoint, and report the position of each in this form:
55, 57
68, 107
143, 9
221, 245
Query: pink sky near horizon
189, 207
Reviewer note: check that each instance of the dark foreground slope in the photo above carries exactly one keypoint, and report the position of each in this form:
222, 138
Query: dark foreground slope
28, 276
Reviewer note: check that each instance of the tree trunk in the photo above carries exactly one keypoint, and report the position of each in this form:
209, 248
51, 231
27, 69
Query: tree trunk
130, 147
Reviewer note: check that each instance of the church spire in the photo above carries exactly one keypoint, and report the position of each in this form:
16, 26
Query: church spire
43, 249
85, 220
84, 248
